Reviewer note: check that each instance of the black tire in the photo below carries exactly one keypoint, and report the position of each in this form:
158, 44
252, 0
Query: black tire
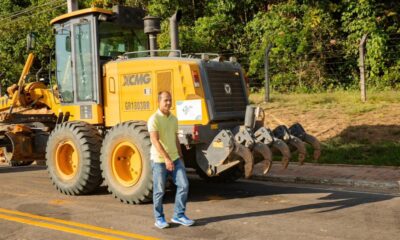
85, 140
229, 176
128, 184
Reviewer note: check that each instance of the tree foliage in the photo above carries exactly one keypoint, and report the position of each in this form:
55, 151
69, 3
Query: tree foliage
315, 43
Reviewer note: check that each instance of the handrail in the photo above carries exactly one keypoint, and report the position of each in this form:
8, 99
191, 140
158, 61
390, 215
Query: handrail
151, 51
191, 55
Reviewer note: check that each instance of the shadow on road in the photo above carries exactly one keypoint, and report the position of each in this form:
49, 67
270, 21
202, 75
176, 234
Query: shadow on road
336, 200
102, 190
9, 169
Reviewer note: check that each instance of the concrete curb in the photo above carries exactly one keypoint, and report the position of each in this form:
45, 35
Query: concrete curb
342, 165
381, 185
359, 181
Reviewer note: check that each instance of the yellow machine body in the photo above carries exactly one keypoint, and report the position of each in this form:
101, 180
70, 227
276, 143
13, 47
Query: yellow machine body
131, 88
91, 125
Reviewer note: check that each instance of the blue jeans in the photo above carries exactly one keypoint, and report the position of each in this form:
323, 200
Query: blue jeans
179, 177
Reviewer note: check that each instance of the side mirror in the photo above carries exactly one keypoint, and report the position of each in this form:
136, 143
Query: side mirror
30, 41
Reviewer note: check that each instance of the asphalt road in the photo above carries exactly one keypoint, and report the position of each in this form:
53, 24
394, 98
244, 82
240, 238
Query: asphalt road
31, 208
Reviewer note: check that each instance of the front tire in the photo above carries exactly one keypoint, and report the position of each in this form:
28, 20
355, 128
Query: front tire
125, 162
72, 158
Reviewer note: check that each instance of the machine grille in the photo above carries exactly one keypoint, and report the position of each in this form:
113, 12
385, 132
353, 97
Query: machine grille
227, 90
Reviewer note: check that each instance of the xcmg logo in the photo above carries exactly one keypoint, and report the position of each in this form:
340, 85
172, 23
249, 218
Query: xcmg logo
137, 79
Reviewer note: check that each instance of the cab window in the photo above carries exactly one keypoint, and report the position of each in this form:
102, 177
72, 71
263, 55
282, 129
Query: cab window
64, 65
116, 40
83, 61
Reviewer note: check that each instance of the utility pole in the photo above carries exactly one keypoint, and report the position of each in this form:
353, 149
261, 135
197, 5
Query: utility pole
266, 73
362, 68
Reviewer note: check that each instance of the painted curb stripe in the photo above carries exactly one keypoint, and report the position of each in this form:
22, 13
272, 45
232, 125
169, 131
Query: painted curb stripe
80, 225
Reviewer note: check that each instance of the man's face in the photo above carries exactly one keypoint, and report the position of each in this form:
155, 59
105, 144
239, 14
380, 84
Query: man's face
165, 102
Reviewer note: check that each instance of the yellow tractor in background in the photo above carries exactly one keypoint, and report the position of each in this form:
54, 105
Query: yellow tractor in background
91, 126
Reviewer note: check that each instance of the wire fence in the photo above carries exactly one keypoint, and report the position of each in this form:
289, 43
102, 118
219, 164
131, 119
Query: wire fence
328, 68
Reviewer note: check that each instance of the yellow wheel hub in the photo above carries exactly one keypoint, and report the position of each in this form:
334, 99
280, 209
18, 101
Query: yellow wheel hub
67, 160
126, 164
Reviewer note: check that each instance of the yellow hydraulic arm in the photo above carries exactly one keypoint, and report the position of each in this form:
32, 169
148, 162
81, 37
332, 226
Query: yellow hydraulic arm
21, 82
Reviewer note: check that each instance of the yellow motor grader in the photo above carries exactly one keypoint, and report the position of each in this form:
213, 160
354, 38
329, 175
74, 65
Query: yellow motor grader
91, 126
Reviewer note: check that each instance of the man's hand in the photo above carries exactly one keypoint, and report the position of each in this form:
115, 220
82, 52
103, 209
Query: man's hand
169, 165
178, 146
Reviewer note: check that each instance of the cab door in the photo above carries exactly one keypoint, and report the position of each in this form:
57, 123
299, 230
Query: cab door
78, 70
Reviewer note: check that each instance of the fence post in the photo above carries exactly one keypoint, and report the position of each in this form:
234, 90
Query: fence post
362, 68
266, 73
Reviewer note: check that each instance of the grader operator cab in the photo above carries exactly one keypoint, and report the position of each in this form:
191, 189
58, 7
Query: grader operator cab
92, 126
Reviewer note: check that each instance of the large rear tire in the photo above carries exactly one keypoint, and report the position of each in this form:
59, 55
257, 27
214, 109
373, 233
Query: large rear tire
125, 162
72, 158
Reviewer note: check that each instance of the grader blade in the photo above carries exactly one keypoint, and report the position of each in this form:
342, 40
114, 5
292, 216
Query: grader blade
18, 149
266, 153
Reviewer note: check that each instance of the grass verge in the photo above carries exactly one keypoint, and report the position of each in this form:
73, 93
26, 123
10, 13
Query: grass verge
356, 132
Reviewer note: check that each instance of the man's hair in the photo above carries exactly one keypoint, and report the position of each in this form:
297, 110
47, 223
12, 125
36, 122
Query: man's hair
161, 93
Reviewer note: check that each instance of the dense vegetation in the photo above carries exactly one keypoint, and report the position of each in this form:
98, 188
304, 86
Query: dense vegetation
315, 43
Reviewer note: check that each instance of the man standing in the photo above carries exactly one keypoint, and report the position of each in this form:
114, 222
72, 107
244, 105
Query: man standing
166, 156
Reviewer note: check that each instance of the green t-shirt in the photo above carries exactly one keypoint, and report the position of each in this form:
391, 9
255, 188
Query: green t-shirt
167, 128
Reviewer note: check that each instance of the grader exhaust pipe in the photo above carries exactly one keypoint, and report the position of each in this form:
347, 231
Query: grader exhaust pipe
152, 27
72, 5
174, 33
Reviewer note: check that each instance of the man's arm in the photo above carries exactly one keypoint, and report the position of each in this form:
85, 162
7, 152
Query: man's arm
155, 140
178, 146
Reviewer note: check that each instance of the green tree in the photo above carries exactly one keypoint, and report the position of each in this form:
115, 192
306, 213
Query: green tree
19, 19
315, 42
300, 35
380, 20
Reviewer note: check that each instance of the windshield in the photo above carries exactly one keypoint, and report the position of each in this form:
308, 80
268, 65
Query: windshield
116, 40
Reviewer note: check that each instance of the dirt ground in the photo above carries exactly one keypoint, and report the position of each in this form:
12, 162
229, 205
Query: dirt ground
381, 124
